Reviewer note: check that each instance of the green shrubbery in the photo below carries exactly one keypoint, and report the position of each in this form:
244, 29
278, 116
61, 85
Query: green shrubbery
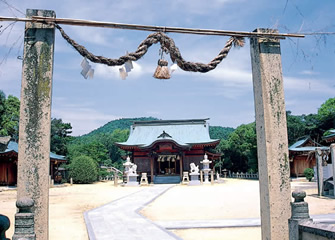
83, 169
309, 174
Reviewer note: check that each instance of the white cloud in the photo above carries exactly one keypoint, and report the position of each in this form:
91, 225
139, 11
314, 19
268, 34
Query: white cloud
308, 84
106, 72
201, 7
82, 118
96, 36
309, 72
10, 76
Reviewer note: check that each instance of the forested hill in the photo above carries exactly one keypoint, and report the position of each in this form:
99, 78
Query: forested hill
123, 123
216, 132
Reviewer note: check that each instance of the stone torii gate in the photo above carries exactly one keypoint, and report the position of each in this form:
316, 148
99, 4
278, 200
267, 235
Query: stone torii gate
35, 116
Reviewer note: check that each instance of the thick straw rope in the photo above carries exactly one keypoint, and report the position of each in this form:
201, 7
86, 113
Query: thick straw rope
167, 45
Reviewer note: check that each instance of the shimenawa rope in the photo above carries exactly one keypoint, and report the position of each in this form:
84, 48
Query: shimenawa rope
167, 45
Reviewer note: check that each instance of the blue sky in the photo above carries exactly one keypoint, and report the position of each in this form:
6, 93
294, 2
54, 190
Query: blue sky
225, 94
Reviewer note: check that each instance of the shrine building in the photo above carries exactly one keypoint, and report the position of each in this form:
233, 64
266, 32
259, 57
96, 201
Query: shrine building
9, 161
165, 148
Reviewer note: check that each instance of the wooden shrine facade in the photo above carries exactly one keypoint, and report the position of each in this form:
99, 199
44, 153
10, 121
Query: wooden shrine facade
302, 155
167, 147
9, 160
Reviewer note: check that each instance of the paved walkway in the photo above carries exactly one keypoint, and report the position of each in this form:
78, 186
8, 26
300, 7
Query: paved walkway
234, 222
120, 220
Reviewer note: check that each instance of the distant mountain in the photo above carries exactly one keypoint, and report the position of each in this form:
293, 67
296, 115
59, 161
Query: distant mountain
218, 132
123, 123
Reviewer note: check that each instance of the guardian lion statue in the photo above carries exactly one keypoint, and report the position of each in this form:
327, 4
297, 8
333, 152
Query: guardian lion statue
194, 168
132, 170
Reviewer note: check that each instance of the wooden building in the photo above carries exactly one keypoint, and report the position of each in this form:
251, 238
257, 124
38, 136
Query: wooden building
302, 155
165, 148
330, 138
8, 163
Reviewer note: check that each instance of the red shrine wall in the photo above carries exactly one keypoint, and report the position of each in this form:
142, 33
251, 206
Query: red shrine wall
8, 172
143, 164
142, 160
188, 159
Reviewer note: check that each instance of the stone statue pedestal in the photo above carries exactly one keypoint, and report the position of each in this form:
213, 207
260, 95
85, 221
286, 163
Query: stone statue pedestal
132, 180
194, 179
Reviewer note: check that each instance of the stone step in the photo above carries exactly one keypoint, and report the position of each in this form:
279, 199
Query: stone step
161, 179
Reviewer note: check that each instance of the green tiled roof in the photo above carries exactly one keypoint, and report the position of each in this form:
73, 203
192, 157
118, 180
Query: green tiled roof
183, 132
13, 146
331, 135
299, 146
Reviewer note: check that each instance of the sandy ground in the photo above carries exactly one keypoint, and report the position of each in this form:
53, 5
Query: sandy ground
250, 233
317, 205
67, 205
232, 199
235, 198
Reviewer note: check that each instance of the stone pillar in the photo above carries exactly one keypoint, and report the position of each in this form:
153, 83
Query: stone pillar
332, 153
35, 114
116, 179
319, 169
299, 213
24, 220
272, 146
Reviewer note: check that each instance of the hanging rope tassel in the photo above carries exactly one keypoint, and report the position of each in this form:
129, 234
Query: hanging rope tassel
169, 46
162, 71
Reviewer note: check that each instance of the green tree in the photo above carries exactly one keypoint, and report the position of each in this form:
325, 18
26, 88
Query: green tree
309, 174
10, 117
95, 150
2, 106
240, 150
83, 169
326, 115
60, 136
218, 132
108, 148
295, 127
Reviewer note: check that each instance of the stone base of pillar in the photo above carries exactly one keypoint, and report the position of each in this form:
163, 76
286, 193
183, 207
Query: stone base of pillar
24, 220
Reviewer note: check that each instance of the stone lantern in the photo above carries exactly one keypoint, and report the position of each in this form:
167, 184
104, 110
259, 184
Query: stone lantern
206, 168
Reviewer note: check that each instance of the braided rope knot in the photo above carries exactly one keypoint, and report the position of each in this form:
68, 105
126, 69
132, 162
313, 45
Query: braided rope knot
167, 45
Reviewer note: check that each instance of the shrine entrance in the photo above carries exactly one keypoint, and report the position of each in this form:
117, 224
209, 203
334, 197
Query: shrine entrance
167, 164
35, 109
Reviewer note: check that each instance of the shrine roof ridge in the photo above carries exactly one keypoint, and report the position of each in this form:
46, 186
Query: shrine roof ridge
172, 122
184, 133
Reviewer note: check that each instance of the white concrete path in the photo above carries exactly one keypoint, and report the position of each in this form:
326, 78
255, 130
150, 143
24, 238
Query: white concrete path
120, 220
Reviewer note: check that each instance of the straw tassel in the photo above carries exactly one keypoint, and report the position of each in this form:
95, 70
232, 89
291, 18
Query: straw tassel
162, 71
